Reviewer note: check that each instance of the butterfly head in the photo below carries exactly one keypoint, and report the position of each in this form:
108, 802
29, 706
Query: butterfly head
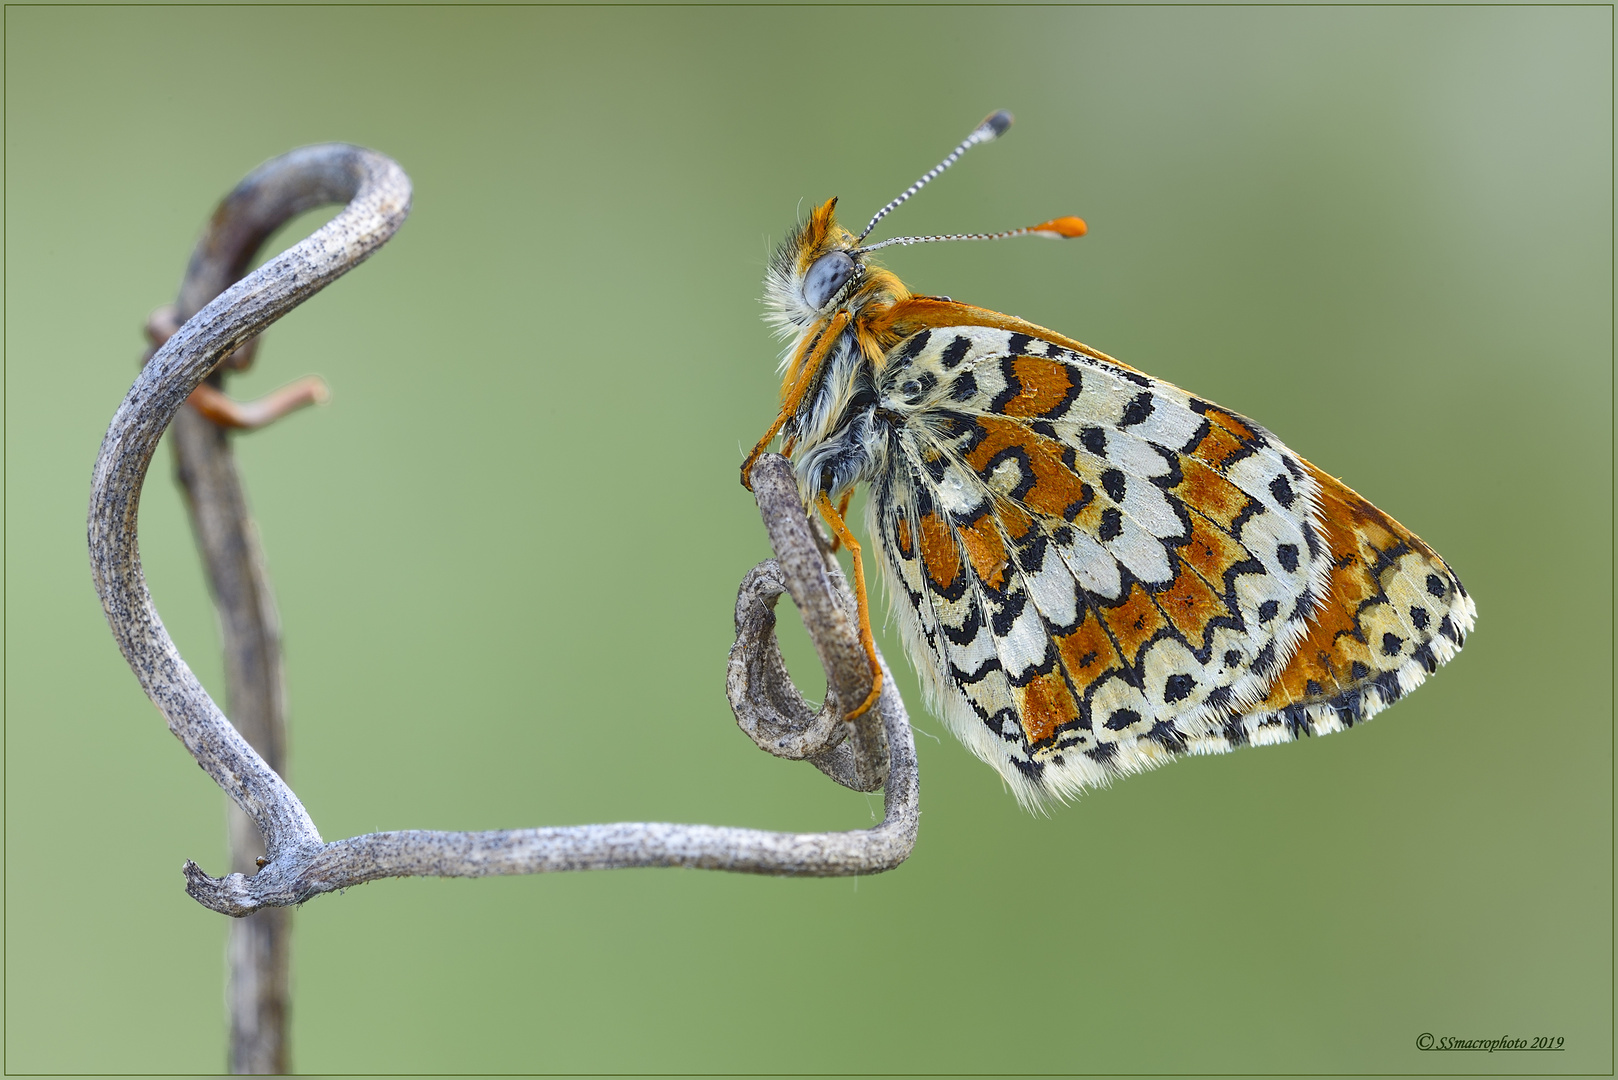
819, 269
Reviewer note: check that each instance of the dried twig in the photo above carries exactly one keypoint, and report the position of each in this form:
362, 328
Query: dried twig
259, 950
300, 864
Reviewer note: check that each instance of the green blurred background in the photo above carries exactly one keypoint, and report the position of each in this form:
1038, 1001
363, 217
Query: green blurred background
507, 553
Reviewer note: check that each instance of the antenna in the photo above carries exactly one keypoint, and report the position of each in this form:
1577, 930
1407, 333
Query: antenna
1062, 228
994, 125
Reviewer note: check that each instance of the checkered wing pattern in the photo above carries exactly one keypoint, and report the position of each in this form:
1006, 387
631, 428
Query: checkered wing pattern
1097, 571
1392, 613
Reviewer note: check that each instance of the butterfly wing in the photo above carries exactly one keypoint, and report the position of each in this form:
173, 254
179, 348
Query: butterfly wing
1394, 611
1096, 571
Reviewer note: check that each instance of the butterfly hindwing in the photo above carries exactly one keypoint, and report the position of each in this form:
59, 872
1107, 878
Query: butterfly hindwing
1097, 568
1394, 612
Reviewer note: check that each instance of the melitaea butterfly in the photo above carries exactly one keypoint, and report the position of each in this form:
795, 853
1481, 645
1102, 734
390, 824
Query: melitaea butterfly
1094, 571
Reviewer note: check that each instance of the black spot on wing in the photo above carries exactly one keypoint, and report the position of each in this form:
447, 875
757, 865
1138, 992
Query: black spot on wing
1122, 719
1121, 372
1297, 721
1006, 613
1385, 559
1102, 753
1087, 495
1011, 390
913, 347
1033, 770
1112, 482
1387, 684
955, 352
1265, 660
1138, 409
964, 387
1234, 732
1311, 538
1169, 737
1178, 688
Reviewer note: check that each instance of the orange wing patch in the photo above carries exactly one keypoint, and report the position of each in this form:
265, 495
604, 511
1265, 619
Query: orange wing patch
1088, 652
1057, 491
1191, 605
986, 552
1203, 488
1045, 704
1135, 622
907, 547
938, 552
1045, 387
1211, 552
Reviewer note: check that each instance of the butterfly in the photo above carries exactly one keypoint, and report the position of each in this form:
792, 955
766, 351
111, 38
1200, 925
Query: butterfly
1094, 571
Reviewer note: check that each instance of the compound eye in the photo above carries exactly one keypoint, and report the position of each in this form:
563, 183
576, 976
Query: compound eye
829, 273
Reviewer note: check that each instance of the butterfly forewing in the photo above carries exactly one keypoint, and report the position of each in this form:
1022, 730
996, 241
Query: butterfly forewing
1096, 566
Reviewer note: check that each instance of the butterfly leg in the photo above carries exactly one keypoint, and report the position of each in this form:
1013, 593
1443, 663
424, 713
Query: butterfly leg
838, 526
819, 348
842, 512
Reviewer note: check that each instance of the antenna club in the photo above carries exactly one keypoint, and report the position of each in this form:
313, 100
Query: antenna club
998, 123
1067, 228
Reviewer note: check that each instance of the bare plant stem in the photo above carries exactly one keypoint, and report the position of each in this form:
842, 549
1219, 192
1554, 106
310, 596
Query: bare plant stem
259, 981
258, 954
299, 863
